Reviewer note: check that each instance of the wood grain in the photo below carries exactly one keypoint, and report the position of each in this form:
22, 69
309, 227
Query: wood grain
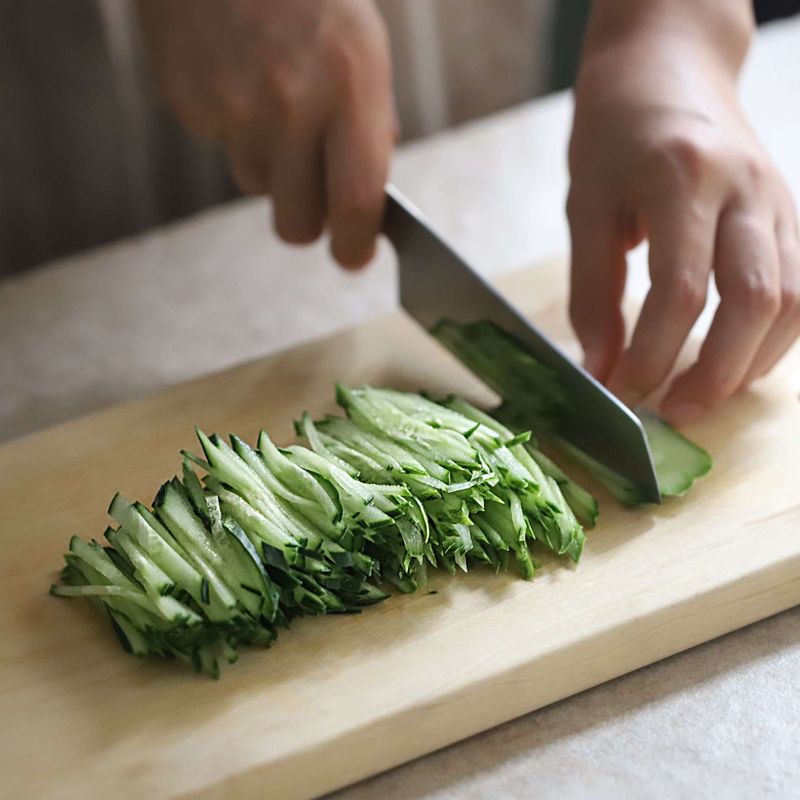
341, 698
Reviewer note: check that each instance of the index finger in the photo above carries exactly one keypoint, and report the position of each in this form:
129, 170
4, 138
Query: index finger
358, 147
357, 153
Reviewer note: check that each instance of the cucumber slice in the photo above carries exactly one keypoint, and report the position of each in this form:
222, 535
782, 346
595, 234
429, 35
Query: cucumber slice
677, 460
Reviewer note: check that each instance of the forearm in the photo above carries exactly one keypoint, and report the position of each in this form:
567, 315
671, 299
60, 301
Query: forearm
722, 29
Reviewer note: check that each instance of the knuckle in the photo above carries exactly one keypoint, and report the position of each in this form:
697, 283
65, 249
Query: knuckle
286, 92
685, 293
756, 173
343, 59
757, 295
357, 63
685, 156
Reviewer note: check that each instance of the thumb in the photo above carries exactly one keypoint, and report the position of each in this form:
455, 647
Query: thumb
597, 283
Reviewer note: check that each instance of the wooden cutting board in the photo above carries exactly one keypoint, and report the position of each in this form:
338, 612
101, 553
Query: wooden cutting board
341, 698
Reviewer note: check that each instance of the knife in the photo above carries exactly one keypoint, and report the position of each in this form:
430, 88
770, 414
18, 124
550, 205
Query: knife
437, 284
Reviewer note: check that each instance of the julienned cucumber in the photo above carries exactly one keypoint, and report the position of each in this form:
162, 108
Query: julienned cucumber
531, 397
269, 534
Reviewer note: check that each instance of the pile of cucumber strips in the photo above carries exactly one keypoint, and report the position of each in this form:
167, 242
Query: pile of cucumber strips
250, 537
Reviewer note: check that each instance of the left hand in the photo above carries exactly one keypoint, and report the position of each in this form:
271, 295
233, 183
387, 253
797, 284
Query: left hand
661, 150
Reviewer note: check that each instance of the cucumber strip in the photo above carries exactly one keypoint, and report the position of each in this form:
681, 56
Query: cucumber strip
384, 450
375, 509
510, 523
131, 638
166, 607
250, 457
582, 503
241, 575
194, 490
99, 561
155, 581
306, 428
436, 415
214, 523
368, 411
82, 574
228, 467
251, 574
175, 511
159, 545
366, 467
225, 465
413, 540
260, 529
296, 478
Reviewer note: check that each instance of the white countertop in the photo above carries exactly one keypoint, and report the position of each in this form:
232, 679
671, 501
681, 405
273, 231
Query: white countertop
722, 720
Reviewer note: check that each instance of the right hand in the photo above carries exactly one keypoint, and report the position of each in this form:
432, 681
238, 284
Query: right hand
299, 94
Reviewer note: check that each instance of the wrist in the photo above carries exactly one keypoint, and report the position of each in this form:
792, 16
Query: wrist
718, 32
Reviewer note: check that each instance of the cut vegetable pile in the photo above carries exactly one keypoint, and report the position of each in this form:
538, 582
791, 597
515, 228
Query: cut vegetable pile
268, 534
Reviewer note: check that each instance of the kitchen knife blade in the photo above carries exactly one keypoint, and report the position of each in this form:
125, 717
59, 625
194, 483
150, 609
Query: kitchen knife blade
437, 284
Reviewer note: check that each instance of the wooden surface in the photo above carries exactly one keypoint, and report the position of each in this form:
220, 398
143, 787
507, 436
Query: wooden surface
341, 698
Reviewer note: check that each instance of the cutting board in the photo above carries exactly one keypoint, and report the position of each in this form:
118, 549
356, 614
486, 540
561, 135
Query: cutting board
341, 698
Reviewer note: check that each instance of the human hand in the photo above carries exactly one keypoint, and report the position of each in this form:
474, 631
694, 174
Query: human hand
661, 150
300, 96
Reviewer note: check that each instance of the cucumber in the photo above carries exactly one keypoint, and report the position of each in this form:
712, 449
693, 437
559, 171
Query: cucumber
677, 460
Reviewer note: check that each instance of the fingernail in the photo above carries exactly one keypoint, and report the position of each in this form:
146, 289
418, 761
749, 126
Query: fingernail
683, 413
